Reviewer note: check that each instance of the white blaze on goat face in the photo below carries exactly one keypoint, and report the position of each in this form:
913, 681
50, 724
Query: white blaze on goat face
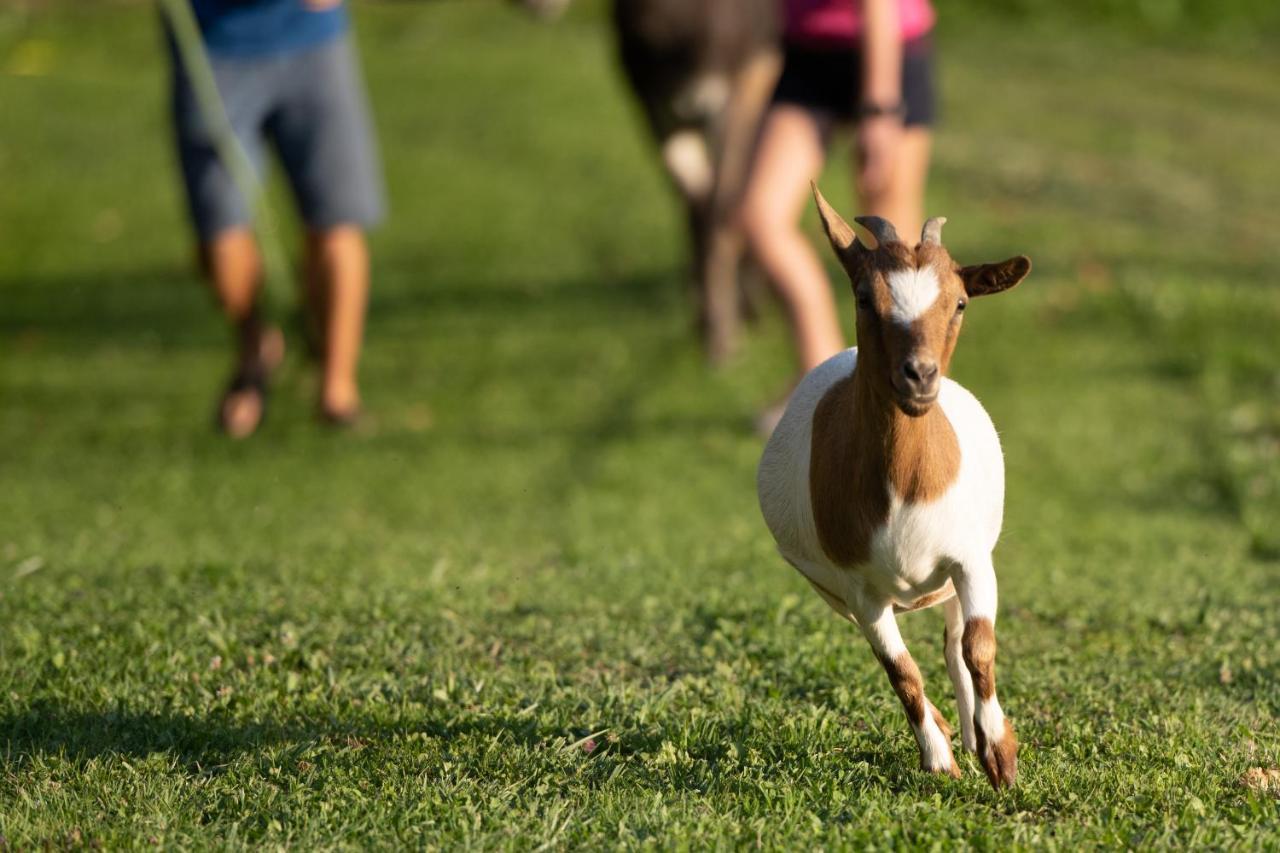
913, 292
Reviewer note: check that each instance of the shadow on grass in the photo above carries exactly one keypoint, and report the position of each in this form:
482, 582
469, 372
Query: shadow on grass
511, 298
205, 744
216, 738
116, 307
167, 302
166, 306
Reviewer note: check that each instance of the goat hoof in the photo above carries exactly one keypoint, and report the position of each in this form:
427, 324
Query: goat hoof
999, 759
952, 769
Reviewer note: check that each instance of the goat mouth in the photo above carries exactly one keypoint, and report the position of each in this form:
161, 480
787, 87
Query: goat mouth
917, 404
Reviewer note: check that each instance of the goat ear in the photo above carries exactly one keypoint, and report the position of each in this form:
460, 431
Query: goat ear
840, 233
981, 279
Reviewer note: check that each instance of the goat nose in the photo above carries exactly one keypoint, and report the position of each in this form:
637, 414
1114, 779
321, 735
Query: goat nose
920, 372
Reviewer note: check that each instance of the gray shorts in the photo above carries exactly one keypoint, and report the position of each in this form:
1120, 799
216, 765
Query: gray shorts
311, 105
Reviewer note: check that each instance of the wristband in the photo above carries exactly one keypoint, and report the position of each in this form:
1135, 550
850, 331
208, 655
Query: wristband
870, 109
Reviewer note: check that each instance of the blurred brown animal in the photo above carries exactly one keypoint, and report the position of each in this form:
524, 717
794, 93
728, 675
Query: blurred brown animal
703, 72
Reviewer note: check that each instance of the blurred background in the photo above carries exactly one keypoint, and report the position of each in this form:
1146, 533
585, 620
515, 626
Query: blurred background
551, 500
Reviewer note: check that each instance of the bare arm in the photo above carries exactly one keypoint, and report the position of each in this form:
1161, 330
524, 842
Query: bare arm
880, 132
881, 53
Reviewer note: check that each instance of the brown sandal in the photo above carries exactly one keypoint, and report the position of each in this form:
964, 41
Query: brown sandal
249, 381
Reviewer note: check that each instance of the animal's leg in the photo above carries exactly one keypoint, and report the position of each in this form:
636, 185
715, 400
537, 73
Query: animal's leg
737, 128
932, 732
688, 162
734, 134
721, 303
960, 678
996, 742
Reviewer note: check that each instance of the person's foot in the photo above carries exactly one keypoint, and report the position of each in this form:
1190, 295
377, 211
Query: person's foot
340, 404
768, 418
244, 404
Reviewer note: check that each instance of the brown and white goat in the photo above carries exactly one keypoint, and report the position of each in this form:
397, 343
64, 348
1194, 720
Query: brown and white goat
883, 483
702, 71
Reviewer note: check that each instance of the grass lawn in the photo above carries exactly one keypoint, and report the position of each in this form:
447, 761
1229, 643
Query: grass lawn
531, 602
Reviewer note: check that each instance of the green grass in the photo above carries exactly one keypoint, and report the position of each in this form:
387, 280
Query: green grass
548, 529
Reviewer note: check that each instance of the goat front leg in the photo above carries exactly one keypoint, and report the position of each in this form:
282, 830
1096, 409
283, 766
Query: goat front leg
933, 735
688, 160
997, 745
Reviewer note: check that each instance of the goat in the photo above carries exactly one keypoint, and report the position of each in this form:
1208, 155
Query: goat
703, 72
883, 483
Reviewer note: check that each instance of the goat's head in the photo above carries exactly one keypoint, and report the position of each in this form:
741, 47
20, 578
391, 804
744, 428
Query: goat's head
911, 302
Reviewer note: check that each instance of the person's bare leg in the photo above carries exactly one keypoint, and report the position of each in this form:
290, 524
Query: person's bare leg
791, 154
902, 199
234, 269
340, 260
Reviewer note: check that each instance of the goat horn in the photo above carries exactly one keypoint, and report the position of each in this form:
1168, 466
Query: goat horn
881, 229
931, 234
838, 231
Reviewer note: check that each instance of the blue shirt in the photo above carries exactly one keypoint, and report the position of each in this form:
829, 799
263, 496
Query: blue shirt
260, 28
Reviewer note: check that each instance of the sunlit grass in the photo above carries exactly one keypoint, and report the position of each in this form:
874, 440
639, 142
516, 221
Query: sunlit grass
531, 600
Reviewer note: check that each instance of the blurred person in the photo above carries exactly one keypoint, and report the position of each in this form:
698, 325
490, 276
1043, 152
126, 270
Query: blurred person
868, 63
287, 72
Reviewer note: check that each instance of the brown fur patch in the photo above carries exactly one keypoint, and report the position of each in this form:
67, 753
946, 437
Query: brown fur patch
983, 279
929, 600
979, 648
846, 483
904, 675
860, 444
999, 760
924, 456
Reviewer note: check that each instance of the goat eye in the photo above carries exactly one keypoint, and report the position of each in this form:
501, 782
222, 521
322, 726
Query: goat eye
864, 301
960, 305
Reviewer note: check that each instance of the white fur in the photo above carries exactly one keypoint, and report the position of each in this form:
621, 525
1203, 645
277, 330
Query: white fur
914, 291
961, 680
991, 719
935, 747
687, 160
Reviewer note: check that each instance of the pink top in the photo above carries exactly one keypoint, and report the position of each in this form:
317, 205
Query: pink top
839, 22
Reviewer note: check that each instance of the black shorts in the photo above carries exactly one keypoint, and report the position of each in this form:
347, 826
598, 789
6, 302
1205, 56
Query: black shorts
830, 80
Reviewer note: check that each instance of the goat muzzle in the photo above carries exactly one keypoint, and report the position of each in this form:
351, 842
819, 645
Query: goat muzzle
917, 383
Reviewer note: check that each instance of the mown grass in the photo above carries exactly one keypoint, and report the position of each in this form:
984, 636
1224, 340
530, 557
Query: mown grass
531, 601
